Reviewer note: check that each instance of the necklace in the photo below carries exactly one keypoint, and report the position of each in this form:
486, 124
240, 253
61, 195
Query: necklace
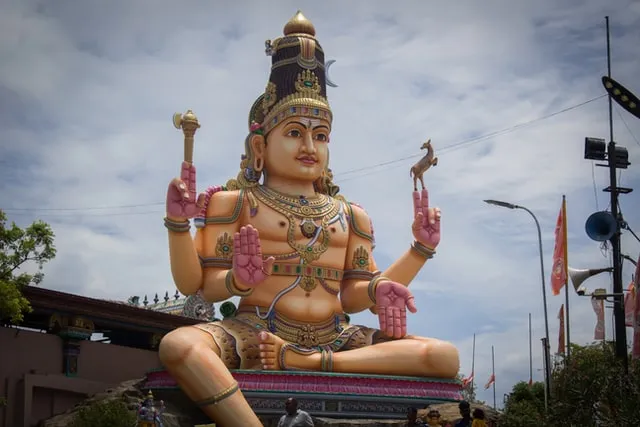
306, 210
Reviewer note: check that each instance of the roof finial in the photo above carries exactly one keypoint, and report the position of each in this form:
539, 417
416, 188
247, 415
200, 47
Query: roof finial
299, 24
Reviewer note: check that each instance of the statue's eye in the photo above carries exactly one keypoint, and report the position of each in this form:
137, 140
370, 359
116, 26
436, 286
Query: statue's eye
295, 133
322, 137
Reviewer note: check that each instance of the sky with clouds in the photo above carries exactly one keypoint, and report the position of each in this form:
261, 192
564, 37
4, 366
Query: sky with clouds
87, 91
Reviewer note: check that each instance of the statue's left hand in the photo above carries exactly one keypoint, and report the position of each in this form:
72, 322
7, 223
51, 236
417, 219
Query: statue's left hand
426, 220
392, 301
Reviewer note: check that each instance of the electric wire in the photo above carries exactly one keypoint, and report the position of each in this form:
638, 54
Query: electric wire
374, 168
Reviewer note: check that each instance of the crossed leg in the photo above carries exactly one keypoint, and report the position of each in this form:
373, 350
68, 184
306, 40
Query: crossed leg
191, 356
411, 356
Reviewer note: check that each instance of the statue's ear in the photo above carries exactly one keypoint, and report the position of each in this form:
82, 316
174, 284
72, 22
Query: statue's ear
257, 143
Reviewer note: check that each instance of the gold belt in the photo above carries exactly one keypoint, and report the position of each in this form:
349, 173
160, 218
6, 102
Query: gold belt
306, 334
287, 269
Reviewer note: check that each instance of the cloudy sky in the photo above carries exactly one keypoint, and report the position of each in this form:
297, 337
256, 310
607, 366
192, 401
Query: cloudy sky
507, 91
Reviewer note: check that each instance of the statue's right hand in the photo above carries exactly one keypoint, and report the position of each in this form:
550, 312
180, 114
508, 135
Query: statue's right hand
182, 202
249, 269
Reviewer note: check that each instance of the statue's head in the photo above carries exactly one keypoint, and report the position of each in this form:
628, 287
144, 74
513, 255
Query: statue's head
290, 123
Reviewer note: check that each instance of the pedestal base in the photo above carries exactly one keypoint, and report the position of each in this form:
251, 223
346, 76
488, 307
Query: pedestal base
330, 394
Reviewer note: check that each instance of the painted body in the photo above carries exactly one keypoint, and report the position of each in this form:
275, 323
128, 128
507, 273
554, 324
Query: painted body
423, 165
281, 213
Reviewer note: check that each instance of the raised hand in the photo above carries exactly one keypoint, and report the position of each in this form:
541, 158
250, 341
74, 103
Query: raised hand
426, 220
392, 301
249, 269
182, 202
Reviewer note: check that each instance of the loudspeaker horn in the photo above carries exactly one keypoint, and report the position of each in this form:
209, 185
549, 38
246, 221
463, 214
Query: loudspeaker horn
600, 226
578, 276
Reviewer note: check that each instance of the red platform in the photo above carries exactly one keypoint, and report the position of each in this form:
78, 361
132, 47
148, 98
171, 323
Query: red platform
332, 393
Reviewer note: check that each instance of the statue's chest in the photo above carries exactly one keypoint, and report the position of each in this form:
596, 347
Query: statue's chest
331, 230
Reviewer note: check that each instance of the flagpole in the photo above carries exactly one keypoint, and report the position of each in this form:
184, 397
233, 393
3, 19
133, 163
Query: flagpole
530, 354
493, 370
473, 363
566, 275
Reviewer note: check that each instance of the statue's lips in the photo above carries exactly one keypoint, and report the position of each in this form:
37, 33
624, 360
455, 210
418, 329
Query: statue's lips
309, 161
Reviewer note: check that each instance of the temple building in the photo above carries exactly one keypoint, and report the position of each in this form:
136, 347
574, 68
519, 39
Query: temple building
193, 306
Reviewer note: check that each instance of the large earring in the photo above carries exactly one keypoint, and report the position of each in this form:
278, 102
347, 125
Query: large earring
258, 163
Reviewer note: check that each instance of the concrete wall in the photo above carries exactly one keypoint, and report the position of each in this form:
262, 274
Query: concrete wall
32, 380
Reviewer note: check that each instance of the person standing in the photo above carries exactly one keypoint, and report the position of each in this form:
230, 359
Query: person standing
294, 416
465, 412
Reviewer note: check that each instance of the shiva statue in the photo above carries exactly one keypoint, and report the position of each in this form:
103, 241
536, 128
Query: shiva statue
297, 254
148, 414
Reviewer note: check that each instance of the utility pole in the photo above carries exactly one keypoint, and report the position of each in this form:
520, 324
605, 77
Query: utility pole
607, 226
618, 306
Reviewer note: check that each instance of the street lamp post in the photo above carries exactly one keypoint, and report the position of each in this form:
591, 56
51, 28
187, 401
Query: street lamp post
547, 372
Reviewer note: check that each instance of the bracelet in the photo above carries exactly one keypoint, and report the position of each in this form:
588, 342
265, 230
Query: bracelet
373, 285
422, 250
227, 392
230, 284
177, 227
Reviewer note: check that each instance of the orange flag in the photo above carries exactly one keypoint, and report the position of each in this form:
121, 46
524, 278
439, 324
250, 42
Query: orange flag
492, 379
559, 271
561, 348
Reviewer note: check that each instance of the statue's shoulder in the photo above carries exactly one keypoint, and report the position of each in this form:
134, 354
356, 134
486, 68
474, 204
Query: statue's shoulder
220, 205
361, 223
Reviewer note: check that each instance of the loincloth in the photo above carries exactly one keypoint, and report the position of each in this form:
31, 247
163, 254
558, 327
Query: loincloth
237, 337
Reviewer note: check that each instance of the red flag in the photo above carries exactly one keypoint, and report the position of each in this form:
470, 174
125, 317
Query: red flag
561, 348
559, 267
492, 379
629, 305
598, 308
635, 352
466, 382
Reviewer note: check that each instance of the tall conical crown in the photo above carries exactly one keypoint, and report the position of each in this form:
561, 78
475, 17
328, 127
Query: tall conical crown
297, 84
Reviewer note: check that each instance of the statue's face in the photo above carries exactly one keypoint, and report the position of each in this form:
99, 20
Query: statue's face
297, 149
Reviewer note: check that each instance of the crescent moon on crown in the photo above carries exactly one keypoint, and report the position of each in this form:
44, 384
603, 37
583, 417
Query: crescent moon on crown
328, 65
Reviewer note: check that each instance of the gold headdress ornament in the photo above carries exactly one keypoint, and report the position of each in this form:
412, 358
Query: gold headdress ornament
297, 83
296, 87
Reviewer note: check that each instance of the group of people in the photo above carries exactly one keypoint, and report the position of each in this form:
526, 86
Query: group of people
295, 417
477, 419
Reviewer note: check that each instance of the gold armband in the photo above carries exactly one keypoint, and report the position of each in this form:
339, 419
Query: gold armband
422, 250
177, 227
230, 284
373, 285
213, 400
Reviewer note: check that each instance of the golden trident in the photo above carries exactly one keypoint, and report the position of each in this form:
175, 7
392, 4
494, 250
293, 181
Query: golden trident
188, 122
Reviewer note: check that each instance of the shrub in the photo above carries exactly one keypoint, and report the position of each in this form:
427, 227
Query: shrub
105, 414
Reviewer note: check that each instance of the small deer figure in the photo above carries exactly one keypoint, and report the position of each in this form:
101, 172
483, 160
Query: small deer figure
423, 165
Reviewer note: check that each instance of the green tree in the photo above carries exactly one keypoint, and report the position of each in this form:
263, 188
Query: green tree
593, 386
524, 406
19, 247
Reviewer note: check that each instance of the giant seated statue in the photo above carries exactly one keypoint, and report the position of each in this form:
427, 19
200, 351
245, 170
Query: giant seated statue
297, 254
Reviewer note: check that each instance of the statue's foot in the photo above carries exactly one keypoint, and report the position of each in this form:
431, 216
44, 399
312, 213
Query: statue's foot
278, 355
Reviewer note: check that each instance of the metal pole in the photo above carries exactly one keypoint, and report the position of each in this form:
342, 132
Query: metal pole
545, 359
566, 282
493, 369
530, 353
547, 371
618, 307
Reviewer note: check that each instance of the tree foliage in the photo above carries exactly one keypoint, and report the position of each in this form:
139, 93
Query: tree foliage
524, 406
590, 388
593, 386
18, 248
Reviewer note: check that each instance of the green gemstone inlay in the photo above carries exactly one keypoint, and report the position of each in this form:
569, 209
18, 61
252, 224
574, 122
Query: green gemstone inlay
307, 83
